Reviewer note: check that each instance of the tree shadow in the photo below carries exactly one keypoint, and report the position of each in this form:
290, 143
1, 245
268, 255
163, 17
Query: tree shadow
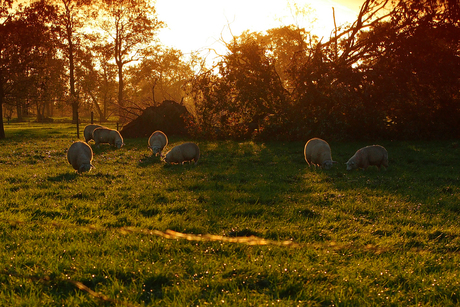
70, 176
148, 160
103, 148
421, 175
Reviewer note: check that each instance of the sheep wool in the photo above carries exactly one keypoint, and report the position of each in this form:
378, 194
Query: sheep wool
182, 153
80, 156
318, 152
157, 142
88, 132
370, 155
106, 135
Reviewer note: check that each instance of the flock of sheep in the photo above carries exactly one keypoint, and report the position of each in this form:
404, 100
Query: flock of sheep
80, 154
317, 151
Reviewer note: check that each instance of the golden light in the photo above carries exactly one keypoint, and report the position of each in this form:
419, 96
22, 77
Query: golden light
201, 24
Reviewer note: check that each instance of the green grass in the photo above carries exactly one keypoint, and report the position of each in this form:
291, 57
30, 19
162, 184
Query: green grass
365, 238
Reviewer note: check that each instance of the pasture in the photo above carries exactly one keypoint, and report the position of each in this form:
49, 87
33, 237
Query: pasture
284, 234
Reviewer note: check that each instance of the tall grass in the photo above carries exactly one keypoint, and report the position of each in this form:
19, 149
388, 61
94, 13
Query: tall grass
362, 238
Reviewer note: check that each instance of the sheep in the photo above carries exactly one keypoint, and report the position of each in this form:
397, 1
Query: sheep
157, 141
318, 152
80, 156
370, 155
88, 132
182, 153
106, 135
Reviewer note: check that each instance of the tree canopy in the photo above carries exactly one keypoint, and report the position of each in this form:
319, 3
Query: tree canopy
392, 73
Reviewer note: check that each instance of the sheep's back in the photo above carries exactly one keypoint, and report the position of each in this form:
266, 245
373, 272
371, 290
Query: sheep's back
158, 138
375, 154
88, 131
78, 154
317, 151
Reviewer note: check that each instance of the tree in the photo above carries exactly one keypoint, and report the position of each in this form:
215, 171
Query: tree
98, 82
253, 89
130, 27
72, 21
45, 68
255, 86
393, 72
413, 64
6, 45
27, 43
160, 76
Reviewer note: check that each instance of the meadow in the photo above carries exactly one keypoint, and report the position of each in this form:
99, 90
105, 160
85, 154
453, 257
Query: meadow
250, 225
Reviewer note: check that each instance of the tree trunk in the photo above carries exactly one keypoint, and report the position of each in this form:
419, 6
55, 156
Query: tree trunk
105, 108
2, 128
121, 110
20, 109
100, 112
74, 110
49, 109
73, 95
2, 94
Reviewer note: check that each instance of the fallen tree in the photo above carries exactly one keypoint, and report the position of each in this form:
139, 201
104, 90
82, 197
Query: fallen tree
168, 117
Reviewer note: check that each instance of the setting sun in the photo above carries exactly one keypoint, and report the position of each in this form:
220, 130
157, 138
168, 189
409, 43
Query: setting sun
200, 25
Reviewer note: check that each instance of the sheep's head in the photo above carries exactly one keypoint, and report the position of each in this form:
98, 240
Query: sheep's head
168, 158
155, 149
351, 165
85, 168
328, 164
119, 144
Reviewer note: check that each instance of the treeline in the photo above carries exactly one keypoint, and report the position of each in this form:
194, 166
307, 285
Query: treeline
69, 57
393, 73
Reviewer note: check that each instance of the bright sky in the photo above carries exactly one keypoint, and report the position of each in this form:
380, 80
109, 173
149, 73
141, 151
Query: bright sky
199, 24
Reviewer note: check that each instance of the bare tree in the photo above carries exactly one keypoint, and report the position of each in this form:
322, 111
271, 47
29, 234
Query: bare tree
130, 28
71, 22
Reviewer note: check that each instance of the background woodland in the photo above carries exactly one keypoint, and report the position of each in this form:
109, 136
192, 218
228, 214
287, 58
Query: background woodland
393, 74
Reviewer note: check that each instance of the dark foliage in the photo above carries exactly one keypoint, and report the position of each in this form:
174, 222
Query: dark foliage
393, 73
394, 76
169, 117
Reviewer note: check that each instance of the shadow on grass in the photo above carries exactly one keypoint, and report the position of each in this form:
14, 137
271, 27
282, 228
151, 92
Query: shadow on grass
243, 233
148, 160
423, 176
152, 286
64, 177
103, 148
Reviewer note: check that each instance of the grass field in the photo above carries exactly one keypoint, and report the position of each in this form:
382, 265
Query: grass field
361, 238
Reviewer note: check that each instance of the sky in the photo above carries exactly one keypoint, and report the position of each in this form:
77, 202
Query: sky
200, 24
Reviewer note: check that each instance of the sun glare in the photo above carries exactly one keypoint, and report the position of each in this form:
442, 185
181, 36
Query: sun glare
202, 24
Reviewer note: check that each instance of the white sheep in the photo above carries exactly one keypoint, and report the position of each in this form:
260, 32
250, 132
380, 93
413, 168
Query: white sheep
106, 135
370, 155
183, 152
88, 132
80, 156
318, 152
157, 141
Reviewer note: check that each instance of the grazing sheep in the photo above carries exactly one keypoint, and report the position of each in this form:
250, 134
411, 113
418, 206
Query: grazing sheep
370, 155
318, 152
106, 135
80, 156
182, 153
157, 141
88, 132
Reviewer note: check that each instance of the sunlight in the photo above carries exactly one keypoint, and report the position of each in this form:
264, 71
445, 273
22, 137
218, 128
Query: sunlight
202, 24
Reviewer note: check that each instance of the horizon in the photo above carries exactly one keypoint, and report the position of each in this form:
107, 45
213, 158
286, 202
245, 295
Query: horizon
201, 25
